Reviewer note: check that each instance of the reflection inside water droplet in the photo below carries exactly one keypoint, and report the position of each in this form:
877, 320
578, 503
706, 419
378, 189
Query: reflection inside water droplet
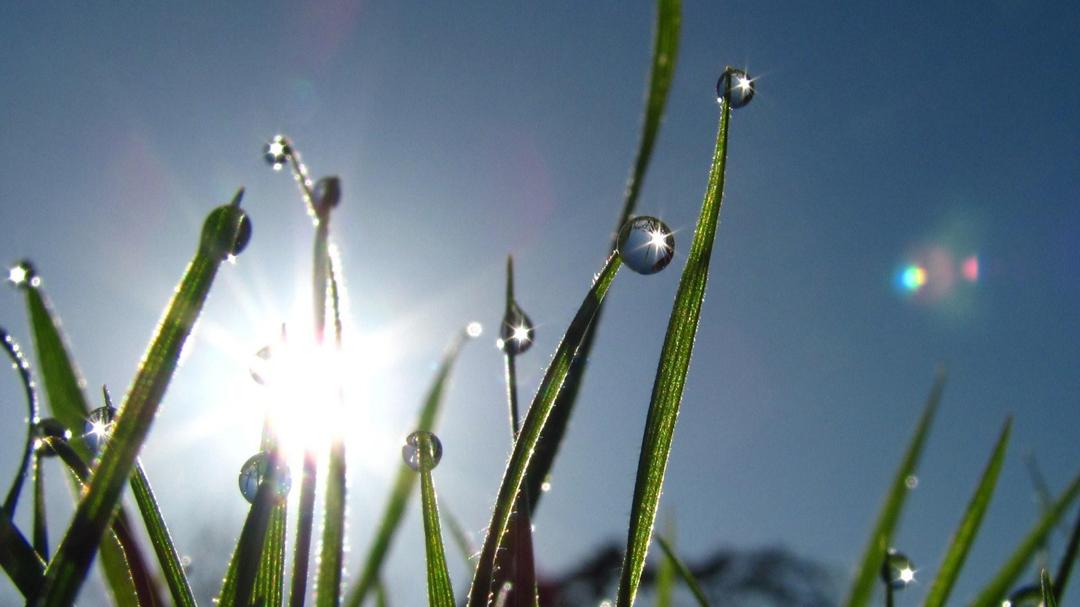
255, 470
98, 427
736, 86
897, 571
276, 152
911, 481
1025, 596
646, 245
411, 451
49, 427
516, 333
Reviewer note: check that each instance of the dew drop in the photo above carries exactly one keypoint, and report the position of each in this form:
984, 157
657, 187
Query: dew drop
517, 331
646, 244
255, 469
474, 329
98, 427
1025, 596
226, 232
23, 275
326, 194
736, 87
277, 152
411, 450
49, 427
897, 571
260, 365
911, 481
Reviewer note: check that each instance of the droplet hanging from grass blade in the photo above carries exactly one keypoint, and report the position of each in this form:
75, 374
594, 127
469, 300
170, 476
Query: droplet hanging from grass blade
45, 428
411, 451
1025, 596
646, 244
23, 275
255, 469
326, 195
99, 425
277, 152
897, 571
517, 332
736, 87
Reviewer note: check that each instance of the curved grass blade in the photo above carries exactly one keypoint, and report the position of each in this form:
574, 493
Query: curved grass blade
665, 53
1048, 591
671, 374
535, 422
66, 572
969, 525
23, 565
1068, 559
440, 592
22, 366
683, 571
404, 483
880, 538
160, 539
1013, 568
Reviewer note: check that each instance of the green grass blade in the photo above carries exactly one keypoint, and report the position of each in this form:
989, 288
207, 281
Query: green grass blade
240, 587
440, 592
40, 531
533, 427
381, 599
664, 54
1068, 559
671, 374
404, 482
683, 571
1013, 568
969, 524
458, 534
167, 556
1048, 591
22, 367
19, 560
665, 574
221, 237
866, 575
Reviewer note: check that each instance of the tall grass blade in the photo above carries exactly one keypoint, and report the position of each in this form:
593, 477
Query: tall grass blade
533, 427
19, 560
665, 574
22, 367
999, 585
167, 556
880, 538
969, 524
380, 595
240, 588
684, 572
221, 236
40, 532
404, 482
671, 374
1068, 559
664, 55
440, 592
1048, 591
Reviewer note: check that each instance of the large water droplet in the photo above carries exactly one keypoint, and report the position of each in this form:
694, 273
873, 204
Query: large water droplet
255, 470
226, 232
646, 245
49, 427
897, 571
411, 450
736, 87
1025, 596
23, 275
277, 152
517, 332
326, 194
98, 427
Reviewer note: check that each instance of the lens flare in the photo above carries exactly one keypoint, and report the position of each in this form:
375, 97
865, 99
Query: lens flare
969, 268
912, 278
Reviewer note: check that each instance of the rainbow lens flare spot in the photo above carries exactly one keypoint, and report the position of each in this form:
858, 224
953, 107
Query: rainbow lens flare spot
969, 268
912, 278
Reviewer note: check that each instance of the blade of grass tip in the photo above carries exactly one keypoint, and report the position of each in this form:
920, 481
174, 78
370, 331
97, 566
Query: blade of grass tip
1048, 591
969, 524
121, 528
440, 592
1068, 559
671, 373
664, 55
533, 427
1013, 568
19, 560
880, 538
683, 571
22, 366
67, 402
665, 575
404, 482
225, 233
1042, 494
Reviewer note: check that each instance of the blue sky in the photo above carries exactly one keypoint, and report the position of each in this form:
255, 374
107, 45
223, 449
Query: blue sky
881, 136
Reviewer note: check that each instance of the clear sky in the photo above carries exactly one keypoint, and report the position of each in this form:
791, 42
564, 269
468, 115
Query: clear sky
941, 136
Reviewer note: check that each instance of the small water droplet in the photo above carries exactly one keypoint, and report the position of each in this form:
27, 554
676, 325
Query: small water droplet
23, 275
255, 469
1025, 596
646, 245
897, 570
411, 450
326, 194
474, 329
504, 594
99, 425
226, 232
277, 152
736, 86
517, 332
546, 485
49, 427
911, 481
260, 365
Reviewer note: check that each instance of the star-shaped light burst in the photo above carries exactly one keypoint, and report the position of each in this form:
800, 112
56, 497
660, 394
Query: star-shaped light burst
17, 275
658, 239
743, 83
99, 429
521, 334
906, 575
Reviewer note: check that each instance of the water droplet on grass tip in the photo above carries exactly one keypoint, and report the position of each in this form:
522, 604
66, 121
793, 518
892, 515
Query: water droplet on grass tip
415, 442
1025, 596
99, 425
736, 87
326, 194
49, 427
226, 232
255, 470
23, 275
646, 244
897, 570
277, 152
517, 332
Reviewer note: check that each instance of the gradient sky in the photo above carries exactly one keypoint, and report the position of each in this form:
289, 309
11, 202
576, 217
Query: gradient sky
882, 135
